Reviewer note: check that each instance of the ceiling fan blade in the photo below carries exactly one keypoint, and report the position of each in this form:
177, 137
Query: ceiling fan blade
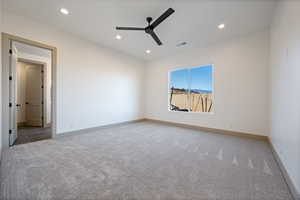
130, 28
162, 17
155, 37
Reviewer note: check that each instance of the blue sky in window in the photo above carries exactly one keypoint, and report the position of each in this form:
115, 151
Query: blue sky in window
200, 77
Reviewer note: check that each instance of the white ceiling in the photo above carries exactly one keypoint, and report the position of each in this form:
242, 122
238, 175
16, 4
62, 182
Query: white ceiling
194, 21
32, 50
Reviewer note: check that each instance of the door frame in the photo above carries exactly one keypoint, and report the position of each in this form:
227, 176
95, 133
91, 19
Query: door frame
6, 40
44, 89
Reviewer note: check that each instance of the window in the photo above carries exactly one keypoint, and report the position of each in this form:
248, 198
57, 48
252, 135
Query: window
191, 89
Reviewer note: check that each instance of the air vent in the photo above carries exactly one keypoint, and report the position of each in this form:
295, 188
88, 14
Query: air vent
181, 44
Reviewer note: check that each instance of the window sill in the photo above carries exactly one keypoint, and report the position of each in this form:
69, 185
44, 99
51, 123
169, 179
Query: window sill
207, 113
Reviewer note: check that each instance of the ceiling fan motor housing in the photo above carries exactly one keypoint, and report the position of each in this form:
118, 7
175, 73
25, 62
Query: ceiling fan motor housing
149, 20
148, 29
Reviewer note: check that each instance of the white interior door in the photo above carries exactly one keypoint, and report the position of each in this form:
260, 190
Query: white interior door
13, 134
21, 89
34, 95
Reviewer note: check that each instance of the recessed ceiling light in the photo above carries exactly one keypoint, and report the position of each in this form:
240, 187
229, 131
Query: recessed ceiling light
148, 51
64, 11
221, 26
118, 37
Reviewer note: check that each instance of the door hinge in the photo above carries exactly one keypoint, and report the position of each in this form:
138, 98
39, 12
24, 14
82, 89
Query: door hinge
42, 86
10, 104
42, 71
42, 102
10, 78
10, 51
10, 131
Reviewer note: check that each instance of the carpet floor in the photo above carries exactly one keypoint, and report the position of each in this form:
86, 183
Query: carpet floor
32, 134
142, 161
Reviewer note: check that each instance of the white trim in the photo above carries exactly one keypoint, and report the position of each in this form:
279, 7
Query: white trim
97, 128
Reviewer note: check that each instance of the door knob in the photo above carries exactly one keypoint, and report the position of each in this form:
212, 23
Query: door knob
26, 103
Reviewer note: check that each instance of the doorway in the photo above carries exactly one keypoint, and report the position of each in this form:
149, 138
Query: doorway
28, 112
33, 123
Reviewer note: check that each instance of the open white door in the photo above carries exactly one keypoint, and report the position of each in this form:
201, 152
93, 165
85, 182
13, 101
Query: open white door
12, 96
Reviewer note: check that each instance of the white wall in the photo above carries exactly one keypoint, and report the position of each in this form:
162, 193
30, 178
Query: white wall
95, 86
285, 87
240, 79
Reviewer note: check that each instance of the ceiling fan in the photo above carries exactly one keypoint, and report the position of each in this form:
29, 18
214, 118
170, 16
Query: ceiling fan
150, 28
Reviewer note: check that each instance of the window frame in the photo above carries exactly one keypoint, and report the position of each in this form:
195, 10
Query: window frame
213, 88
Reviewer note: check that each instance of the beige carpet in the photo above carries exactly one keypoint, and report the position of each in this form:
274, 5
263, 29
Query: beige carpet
143, 161
32, 134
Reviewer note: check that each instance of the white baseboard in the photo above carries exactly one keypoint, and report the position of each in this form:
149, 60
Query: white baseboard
210, 130
288, 180
88, 130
